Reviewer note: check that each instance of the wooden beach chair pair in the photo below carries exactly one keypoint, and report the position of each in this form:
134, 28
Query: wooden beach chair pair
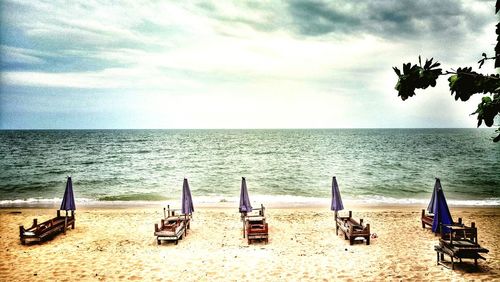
458, 242
255, 226
173, 227
352, 229
40, 232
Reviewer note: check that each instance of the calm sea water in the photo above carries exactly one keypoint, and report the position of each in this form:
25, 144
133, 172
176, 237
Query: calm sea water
114, 165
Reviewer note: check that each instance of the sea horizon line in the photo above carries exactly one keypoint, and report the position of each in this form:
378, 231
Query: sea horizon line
250, 128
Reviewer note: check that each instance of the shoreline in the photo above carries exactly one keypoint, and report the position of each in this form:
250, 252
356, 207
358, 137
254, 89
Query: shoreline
269, 201
272, 203
226, 206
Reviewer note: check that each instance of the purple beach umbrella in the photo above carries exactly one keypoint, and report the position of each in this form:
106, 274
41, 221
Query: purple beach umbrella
336, 199
68, 201
440, 209
245, 205
187, 201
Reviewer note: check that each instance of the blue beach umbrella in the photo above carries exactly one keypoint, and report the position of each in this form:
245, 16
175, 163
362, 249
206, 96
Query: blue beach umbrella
336, 199
187, 201
68, 201
440, 209
245, 205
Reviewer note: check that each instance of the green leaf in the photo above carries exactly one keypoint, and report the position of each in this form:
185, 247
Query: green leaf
397, 71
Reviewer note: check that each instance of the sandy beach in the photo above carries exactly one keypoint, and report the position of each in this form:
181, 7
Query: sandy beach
112, 244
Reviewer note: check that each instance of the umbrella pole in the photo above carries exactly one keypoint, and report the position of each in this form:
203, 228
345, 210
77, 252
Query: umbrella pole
243, 220
185, 227
65, 222
336, 226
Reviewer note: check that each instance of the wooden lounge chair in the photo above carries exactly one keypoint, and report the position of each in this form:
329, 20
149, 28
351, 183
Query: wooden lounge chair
255, 226
459, 243
39, 232
352, 229
244, 216
173, 226
170, 231
257, 229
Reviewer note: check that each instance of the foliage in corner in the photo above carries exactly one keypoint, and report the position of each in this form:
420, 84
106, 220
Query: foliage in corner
463, 83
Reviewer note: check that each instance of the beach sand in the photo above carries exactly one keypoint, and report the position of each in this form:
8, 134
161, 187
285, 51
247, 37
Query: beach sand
113, 244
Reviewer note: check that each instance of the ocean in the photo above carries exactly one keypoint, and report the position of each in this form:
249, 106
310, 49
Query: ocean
371, 165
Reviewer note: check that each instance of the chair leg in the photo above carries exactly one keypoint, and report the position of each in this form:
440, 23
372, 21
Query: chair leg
452, 263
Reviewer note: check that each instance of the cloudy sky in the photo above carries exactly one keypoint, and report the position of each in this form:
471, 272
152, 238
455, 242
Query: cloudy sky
233, 64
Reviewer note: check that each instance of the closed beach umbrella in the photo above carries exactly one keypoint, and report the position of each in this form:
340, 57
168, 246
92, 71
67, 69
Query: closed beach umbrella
68, 202
187, 201
440, 209
245, 205
430, 207
336, 199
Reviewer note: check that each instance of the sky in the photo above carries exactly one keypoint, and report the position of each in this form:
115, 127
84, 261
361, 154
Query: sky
234, 64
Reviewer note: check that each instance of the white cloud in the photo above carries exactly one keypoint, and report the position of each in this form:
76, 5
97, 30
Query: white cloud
214, 58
